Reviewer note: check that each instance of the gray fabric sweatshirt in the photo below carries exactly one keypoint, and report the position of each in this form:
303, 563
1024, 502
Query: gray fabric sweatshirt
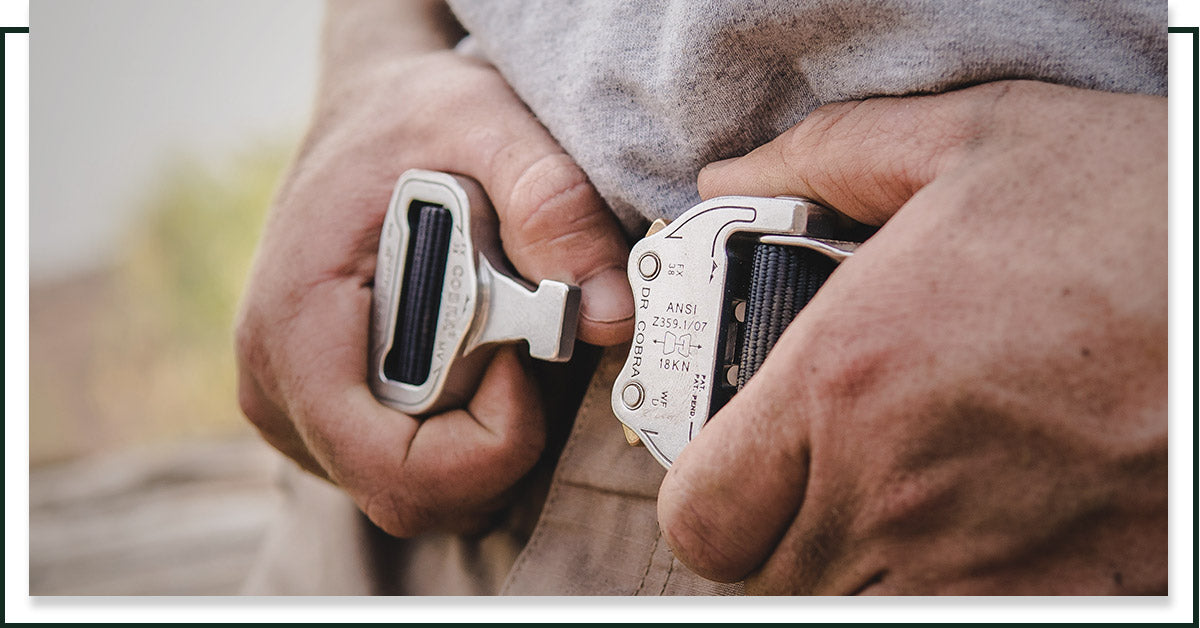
643, 94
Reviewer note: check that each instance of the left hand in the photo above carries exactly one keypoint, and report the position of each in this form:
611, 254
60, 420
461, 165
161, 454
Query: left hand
302, 326
976, 401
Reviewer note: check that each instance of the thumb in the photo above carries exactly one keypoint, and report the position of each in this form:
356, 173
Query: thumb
864, 158
732, 492
554, 225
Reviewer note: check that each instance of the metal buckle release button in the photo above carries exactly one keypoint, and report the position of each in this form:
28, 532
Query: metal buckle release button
649, 265
633, 395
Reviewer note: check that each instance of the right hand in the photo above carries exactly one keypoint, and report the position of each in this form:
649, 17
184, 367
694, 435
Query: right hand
302, 329
976, 401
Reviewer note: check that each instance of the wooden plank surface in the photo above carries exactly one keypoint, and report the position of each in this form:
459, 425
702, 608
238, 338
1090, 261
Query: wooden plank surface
178, 520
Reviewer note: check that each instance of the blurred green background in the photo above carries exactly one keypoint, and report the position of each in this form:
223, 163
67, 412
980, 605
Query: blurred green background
142, 351
158, 133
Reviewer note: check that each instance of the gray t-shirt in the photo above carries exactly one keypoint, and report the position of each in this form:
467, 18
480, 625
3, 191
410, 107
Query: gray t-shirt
643, 94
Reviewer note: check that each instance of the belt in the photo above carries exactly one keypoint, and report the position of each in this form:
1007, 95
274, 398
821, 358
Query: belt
444, 297
714, 291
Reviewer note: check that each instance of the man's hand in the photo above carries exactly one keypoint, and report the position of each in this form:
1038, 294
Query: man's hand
393, 98
976, 401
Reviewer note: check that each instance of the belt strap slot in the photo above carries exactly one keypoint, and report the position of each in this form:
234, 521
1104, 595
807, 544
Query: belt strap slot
783, 280
421, 298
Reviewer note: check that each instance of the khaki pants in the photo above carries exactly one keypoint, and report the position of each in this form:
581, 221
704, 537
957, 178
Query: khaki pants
585, 524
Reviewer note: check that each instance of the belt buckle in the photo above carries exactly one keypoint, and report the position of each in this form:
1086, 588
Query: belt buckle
444, 297
690, 281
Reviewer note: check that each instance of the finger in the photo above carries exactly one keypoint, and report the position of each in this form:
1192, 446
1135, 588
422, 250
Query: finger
754, 470
406, 475
865, 158
274, 426
255, 401
553, 223
720, 513
555, 226
731, 494
482, 450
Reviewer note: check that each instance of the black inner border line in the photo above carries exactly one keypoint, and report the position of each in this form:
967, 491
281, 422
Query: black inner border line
4, 31
1183, 30
1195, 32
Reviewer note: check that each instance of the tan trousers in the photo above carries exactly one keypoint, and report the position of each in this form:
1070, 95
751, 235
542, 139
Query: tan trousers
586, 524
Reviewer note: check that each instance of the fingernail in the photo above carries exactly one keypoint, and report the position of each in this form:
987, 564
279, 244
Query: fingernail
607, 297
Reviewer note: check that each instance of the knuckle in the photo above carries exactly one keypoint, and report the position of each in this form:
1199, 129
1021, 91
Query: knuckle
501, 460
520, 449
495, 144
910, 139
252, 361
556, 226
507, 457
388, 509
903, 499
834, 121
958, 124
845, 377
551, 199
245, 341
463, 78
838, 132
852, 366
689, 530
253, 406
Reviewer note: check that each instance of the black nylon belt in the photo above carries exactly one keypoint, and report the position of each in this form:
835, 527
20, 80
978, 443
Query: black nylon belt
783, 280
420, 299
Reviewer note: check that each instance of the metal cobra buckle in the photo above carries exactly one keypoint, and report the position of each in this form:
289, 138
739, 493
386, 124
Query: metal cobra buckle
444, 297
690, 281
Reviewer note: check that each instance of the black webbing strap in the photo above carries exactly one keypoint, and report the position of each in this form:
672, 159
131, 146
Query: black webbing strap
421, 297
783, 280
